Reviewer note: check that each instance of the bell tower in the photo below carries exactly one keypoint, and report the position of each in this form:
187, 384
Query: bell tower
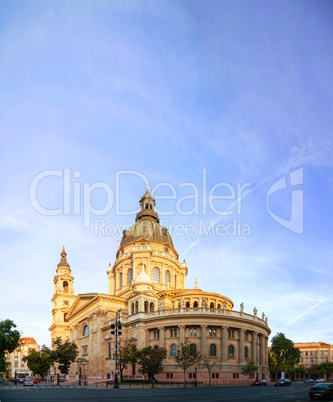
63, 298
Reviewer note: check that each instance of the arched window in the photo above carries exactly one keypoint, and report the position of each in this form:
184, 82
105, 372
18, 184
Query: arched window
152, 307
65, 286
187, 304
129, 276
136, 307
193, 349
155, 347
151, 207
121, 279
146, 206
156, 275
173, 350
211, 305
85, 331
167, 278
132, 308
146, 306
212, 350
231, 351
195, 304
246, 352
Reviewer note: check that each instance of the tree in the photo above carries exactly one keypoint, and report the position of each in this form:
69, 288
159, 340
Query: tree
150, 361
64, 353
327, 368
127, 354
39, 361
185, 357
9, 341
208, 363
249, 369
272, 364
285, 353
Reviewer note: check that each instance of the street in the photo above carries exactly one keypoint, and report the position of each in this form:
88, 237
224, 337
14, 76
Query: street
297, 392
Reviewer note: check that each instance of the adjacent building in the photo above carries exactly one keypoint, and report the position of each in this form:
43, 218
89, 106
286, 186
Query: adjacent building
147, 282
314, 352
16, 365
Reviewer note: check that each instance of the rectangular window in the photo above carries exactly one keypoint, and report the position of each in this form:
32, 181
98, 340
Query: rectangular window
322, 353
191, 332
306, 360
194, 332
322, 359
217, 375
110, 350
167, 375
175, 332
171, 333
234, 375
190, 375
213, 375
326, 353
194, 375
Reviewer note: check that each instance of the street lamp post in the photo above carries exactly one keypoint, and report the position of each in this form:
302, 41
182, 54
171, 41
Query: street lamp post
195, 378
80, 376
116, 330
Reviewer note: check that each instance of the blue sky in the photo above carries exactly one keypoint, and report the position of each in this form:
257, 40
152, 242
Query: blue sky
238, 91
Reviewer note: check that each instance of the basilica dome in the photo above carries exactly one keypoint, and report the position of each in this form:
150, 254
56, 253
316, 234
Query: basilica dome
147, 225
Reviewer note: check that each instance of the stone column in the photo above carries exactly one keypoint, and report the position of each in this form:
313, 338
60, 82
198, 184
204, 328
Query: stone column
241, 358
266, 351
204, 340
262, 360
224, 345
162, 337
254, 347
181, 334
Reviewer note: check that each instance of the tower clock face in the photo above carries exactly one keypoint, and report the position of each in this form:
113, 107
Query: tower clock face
66, 302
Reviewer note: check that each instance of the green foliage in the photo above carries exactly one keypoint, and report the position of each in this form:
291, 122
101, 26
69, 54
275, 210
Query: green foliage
249, 369
9, 341
127, 355
150, 361
64, 353
39, 362
286, 354
272, 364
185, 359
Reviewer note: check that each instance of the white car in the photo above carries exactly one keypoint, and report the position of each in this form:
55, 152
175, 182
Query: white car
319, 380
28, 381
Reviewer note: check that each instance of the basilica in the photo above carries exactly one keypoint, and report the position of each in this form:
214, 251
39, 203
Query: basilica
147, 285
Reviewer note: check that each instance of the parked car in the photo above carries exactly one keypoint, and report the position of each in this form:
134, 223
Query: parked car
21, 380
322, 391
307, 380
36, 381
282, 382
319, 380
259, 382
28, 381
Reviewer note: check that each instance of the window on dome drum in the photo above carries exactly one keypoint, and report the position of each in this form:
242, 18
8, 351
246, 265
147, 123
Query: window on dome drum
187, 305
167, 278
121, 279
211, 305
65, 286
152, 307
246, 352
136, 307
231, 351
132, 308
212, 350
129, 276
195, 304
193, 349
146, 206
85, 331
166, 249
156, 275
219, 306
146, 306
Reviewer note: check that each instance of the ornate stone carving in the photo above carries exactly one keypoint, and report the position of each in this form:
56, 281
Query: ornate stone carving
204, 302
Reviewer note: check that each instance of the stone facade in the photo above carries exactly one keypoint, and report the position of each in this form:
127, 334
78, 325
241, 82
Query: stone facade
148, 283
